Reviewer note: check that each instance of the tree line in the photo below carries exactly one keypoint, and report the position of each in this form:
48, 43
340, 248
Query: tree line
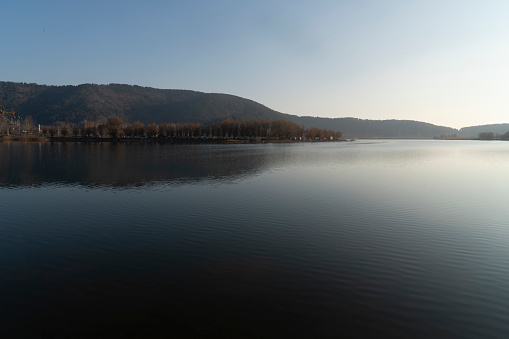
115, 127
492, 136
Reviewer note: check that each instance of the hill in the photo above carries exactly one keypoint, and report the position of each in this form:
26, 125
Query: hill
49, 104
74, 104
359, 128
474, 131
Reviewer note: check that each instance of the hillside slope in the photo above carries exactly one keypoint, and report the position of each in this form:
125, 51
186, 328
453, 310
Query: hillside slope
48, 104
359, 128
473, 131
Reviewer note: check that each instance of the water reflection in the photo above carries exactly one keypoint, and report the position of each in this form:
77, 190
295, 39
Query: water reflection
128, 165
132, 165
120, 165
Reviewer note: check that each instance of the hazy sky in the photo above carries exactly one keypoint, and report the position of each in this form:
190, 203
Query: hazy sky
443, 62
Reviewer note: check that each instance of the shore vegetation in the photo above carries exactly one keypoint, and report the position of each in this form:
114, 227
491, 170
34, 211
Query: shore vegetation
114, 128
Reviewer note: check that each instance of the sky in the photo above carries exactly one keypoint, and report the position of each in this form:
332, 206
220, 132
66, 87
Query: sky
443, 62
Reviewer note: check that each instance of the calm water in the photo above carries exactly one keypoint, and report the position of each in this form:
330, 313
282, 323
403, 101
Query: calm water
382, 239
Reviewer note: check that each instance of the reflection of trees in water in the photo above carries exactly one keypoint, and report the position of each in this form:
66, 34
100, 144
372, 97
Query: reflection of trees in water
127, 165
105, 164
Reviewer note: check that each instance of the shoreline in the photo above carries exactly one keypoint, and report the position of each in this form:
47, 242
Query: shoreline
156, 140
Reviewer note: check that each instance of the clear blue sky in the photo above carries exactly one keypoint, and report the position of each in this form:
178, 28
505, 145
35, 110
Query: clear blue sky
443, 62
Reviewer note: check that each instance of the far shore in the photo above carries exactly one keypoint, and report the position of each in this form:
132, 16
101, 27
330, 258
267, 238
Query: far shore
33, 138
174, 140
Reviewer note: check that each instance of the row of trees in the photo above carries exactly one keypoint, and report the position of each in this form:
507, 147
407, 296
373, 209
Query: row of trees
492, 136
116, 128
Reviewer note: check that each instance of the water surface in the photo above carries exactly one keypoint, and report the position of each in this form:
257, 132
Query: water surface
395, 238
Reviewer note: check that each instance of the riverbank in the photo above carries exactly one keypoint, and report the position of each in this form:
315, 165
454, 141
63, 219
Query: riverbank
26, 138
23, 138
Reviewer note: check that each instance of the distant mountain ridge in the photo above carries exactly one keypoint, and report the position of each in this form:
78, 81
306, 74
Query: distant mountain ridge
74, 104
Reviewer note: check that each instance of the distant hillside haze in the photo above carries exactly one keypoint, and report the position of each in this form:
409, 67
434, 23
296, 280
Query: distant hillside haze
359, 128
476, 130
75, 104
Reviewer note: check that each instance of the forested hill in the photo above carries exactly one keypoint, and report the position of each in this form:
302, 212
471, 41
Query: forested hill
475, 130
353, 127
49, 104
74, 104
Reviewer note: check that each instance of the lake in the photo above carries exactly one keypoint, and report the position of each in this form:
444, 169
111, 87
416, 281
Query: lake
384, 238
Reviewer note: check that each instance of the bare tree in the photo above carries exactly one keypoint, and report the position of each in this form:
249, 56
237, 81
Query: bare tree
52, 130
76, 131
113, 125
65, 129
102, 130
151, 130
3, 126
90, 128
28, 124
